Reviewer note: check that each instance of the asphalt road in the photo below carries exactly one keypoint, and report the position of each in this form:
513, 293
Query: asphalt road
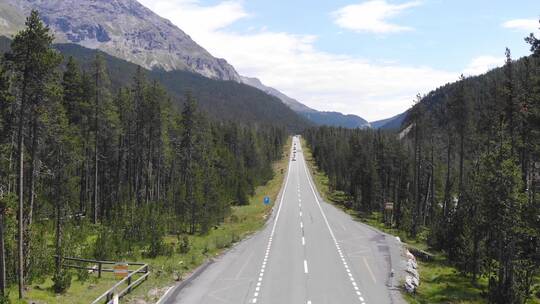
309, 252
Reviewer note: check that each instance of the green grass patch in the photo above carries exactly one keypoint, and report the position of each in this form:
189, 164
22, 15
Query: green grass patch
442, 283
243, 221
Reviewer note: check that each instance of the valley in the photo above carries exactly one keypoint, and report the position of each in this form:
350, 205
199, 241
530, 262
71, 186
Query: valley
138, 167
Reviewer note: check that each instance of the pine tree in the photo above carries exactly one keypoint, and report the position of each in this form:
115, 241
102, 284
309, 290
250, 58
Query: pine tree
32, 61
189, 150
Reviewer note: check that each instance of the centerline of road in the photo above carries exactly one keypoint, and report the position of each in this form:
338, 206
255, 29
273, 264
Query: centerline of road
306, 270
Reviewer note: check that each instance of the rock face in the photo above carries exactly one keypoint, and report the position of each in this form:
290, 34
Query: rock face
121, 28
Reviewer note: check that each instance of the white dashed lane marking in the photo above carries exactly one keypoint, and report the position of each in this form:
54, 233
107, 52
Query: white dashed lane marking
269, 246
350, 275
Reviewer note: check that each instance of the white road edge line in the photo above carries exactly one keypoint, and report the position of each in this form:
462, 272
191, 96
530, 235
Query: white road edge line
256, 294
164, 295
326, 221
305, 266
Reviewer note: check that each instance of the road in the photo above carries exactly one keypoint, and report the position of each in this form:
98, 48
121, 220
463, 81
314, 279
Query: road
309, 252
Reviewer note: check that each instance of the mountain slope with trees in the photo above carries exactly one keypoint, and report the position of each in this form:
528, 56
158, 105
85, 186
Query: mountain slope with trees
465, 178
221, 100
392, 123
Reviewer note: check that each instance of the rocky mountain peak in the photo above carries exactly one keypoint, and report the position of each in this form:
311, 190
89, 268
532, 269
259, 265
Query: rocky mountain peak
122, 28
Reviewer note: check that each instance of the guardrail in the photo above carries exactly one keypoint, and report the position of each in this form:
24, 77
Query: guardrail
116, 290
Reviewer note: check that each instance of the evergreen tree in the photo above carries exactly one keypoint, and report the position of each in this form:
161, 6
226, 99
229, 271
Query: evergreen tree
32, 61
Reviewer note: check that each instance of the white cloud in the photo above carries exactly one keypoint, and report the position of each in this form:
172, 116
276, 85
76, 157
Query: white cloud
526, 25
372, 16
194, 18
292, 64
482, 64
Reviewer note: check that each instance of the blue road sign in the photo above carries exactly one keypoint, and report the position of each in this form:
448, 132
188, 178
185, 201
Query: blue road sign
266, 200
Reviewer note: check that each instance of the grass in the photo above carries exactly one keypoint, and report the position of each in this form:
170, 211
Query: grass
440, 282
244, 220
443, 284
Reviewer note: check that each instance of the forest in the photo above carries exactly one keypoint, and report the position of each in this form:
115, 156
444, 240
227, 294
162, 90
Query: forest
80, 156
463, 173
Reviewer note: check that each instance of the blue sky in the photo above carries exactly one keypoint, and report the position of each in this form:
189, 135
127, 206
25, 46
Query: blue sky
368, 58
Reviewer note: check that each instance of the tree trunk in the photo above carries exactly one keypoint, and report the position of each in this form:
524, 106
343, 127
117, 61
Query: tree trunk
447, 184
32, 171
20, 214
96, 153
2, 255
20, 149
461, 161
10, 166
58, 245
96, 180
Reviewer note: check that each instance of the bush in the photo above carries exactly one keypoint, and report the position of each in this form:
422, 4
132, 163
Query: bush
235, 237
82, 275
5, 299
62, 281
184, 245
104, 248
156, 247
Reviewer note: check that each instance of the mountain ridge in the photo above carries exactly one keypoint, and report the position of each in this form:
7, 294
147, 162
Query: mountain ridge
122, 28
330, 118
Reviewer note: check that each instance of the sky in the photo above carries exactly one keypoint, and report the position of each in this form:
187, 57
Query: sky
369, 58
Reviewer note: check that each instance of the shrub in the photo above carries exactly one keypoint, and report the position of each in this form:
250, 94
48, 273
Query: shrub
82, 275
104, 248
62, 281
184, 245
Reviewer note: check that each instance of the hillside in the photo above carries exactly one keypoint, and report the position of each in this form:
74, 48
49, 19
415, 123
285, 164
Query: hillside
483, 92
336, 119
222, 100
392, 123
320, 118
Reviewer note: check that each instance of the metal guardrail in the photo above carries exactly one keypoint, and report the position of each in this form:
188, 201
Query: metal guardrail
116, 290
109, 295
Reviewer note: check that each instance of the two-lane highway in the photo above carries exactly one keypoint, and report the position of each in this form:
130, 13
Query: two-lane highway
309, 252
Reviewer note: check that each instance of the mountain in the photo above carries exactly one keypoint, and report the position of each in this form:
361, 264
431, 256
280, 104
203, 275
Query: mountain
335, 119
122, 28
392, 123
292, 103
128, 30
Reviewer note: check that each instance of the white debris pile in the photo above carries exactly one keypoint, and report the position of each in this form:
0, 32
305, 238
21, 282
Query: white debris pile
412, 280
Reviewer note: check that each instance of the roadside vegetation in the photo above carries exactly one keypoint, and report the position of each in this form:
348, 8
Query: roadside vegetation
441, 280
191, 252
